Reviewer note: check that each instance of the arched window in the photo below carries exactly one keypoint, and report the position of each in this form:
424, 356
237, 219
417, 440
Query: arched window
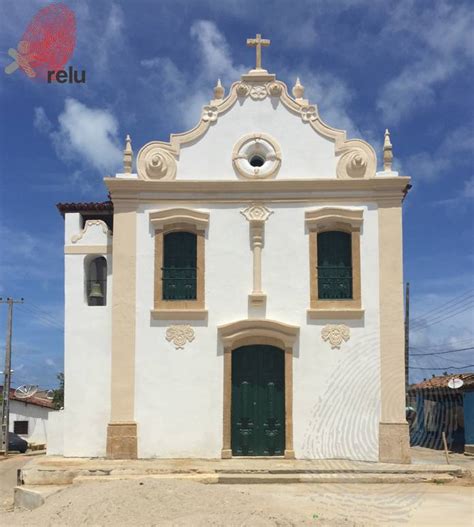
96, 282
179, 266
334, 265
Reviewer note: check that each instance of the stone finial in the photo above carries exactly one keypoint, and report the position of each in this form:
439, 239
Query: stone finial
127, 156
387, 152
298, 89
219, 90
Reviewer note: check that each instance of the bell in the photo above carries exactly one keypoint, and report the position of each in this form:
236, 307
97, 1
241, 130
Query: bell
96, 290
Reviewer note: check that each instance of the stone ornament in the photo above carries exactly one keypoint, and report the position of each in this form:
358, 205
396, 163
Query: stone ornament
336, 334
256, 146
127, 156
219, 91
298, 89
90, 223
256, 212
258, 92
274, 89
242, 89
387, 152
209, 113
357, 161
156, 163
308, 113
180, 335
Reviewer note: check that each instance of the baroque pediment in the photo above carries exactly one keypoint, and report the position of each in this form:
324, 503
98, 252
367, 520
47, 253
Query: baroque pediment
356, 159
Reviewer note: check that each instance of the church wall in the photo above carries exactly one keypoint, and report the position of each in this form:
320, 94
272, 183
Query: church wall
179, 392
86, 363
305, 154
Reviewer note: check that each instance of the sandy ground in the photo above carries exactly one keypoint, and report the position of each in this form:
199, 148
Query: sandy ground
153, 502
150, 502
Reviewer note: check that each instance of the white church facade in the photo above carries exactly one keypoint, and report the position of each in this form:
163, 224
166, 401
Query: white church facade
241, 292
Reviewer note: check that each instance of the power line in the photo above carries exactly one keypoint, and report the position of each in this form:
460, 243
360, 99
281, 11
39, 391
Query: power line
445, 368
440, 352
46, 321
457, 299
446, 310
440, 347
460, 310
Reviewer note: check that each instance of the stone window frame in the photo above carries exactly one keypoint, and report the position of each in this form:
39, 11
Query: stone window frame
328, 219
175, 220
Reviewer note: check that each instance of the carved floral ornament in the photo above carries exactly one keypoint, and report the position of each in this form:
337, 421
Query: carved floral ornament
335, 334
180, 335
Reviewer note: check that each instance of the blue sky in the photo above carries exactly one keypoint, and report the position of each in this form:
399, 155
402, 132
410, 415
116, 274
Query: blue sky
150, 66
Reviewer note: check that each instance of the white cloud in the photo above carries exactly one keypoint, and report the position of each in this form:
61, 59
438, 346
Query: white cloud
332, 96
183, 95
468, 191
41, 121
438, 44
87, 135
456, 148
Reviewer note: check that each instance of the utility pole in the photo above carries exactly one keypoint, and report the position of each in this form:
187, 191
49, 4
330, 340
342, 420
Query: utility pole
407, 338
7, 374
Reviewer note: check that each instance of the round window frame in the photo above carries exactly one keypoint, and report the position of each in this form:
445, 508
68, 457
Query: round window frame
261, 145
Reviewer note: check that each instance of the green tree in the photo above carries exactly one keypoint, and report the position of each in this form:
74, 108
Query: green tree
58, 393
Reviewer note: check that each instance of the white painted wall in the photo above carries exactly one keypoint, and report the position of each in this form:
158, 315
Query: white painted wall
305, 154
87, 336
37, 417
179, 393
55, 444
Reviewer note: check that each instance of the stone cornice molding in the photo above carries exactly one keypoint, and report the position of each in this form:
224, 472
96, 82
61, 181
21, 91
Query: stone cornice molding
326, 217
235, 332
357, 159
379, 187
160, 219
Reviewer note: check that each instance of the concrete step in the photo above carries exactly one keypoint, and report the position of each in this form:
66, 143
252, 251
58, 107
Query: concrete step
381, 478
49, 475
33, 496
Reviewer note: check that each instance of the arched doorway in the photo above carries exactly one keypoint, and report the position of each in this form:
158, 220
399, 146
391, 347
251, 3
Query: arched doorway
251, 337
258, 401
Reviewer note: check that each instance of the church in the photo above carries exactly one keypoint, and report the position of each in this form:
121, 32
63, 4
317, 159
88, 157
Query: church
241, 294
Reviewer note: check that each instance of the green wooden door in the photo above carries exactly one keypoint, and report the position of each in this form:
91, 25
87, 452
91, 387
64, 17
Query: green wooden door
258, 401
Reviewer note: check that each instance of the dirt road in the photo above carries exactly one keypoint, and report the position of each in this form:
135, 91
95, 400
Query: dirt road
8, 471
148, 502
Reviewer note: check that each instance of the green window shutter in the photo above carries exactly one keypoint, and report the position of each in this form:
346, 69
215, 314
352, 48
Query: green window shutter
334, 265
179, 266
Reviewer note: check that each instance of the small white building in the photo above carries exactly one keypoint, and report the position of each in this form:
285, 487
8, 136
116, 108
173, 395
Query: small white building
241, 294
29, 417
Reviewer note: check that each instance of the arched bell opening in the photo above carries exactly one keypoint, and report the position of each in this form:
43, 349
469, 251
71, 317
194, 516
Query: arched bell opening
96, 281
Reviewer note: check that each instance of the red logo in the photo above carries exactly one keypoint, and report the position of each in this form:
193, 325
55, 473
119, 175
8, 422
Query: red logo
47, 44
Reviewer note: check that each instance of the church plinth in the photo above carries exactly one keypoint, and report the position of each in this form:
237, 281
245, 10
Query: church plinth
122, 441
394, 443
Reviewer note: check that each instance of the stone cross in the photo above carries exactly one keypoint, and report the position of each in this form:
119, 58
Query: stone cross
258, 42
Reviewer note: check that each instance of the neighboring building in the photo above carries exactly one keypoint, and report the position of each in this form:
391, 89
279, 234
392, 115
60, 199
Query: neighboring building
439, 409
241, 294
29, 417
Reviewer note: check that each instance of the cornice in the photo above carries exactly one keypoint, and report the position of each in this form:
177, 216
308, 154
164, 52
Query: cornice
141, 190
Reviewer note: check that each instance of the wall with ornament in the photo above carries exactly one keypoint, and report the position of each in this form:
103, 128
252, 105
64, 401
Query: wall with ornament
179, 364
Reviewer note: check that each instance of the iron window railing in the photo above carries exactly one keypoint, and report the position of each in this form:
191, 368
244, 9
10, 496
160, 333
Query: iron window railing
179, 283
334, 283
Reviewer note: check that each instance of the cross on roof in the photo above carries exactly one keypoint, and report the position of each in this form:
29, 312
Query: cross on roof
258, 42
